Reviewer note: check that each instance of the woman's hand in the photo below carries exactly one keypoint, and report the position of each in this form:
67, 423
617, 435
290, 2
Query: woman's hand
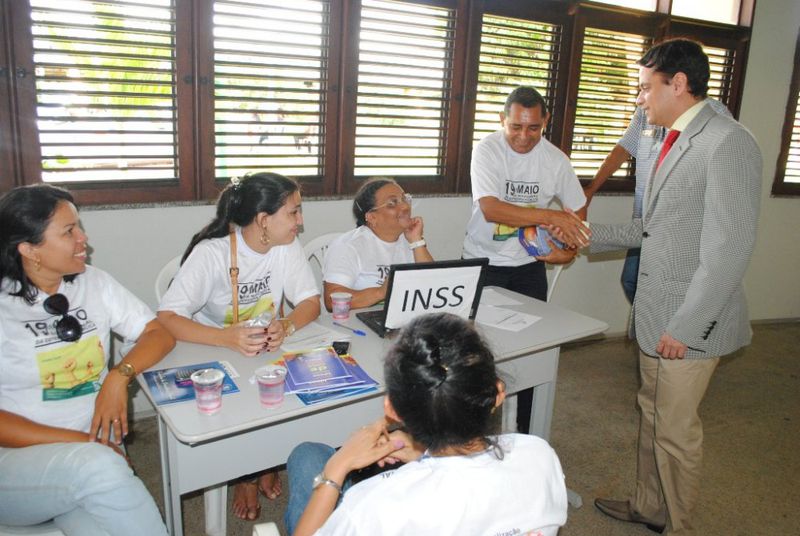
111, 410
410, 452
414, 231
275, 335
245, 340
366, 446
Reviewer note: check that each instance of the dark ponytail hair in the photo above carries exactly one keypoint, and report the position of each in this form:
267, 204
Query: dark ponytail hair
242, 200
364, 201
441, 381
25, 213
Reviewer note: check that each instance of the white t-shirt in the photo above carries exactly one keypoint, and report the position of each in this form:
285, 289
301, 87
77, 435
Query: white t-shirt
531, 179
53, 382
359, 259
480, 495
201, 290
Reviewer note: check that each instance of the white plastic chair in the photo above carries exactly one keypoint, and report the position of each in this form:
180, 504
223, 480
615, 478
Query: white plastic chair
555, 273
315, 252
164, 277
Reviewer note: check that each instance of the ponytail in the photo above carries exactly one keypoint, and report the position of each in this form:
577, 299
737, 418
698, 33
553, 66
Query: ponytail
242, 200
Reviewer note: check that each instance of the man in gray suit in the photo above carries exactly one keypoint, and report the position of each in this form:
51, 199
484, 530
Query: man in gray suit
696, 234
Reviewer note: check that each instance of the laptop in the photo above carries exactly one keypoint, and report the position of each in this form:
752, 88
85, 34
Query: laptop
428, 287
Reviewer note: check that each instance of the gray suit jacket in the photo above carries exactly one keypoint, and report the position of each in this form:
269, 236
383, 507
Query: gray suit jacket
697, 234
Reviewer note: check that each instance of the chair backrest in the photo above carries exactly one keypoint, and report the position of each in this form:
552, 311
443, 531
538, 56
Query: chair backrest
315, 252
554, 273
164, 277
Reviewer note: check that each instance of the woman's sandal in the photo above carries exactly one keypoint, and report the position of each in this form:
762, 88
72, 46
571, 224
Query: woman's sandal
245, 500
273, 488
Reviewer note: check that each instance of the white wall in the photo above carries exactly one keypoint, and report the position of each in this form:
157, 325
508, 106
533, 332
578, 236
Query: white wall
133, 244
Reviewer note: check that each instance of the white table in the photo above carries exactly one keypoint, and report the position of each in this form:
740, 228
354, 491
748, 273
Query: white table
205, 452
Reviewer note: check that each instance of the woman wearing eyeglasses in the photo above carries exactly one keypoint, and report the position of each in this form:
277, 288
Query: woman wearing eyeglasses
63, 414
442, 390
255, 229
358, 261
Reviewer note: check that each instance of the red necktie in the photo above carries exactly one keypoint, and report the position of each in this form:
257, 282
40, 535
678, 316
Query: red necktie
672, 135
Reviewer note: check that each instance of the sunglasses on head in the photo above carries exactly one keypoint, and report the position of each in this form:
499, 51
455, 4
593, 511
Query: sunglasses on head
68, 328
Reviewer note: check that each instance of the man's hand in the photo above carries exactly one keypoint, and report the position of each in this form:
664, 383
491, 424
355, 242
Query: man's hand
569, 228
670, 348
557, 255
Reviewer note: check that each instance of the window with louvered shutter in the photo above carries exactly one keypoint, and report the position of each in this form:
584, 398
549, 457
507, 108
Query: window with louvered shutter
607, 91
269, 83
792, 173
513, 53
105, 91
720, 62
404, 74
787, 173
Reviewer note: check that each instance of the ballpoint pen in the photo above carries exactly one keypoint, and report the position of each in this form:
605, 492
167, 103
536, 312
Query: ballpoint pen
356, 331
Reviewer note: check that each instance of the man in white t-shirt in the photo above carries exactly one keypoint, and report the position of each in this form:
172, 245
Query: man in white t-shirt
515, 175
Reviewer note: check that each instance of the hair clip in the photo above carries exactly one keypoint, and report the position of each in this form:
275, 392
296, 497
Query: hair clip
235, 181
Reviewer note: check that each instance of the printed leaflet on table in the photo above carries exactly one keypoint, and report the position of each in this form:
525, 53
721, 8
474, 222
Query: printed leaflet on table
319, 375
173, 384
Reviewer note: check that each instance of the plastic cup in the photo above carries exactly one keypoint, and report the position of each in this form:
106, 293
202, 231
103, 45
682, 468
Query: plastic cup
208, 390
341, 305
270, 385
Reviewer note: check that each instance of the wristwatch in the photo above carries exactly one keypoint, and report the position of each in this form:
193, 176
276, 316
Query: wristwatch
418, 244
320, 480
127, 370
288, 326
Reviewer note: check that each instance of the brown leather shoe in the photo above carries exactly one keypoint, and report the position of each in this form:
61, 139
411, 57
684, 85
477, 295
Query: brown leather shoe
622, 510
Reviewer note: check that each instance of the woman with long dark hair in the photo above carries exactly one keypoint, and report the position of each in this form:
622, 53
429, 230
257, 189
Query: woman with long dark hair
254, 233
386, 233
63, 413
442, 390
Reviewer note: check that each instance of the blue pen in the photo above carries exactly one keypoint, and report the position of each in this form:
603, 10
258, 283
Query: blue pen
356, 331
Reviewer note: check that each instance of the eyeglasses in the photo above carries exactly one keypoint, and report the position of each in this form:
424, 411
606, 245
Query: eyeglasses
68, 328
393, 202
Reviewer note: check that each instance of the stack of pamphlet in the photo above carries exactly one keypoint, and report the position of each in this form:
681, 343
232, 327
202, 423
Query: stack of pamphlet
174, 384
320, 375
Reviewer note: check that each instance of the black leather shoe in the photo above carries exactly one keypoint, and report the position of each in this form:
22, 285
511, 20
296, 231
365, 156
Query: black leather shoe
622, 510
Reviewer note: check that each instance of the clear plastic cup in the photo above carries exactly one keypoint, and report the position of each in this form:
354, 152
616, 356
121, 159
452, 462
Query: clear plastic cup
341, 302
208, 390
271, 379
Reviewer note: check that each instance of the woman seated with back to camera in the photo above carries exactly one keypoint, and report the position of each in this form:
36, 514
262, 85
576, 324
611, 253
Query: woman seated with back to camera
256, 227
358, 262
63, 414
441, 389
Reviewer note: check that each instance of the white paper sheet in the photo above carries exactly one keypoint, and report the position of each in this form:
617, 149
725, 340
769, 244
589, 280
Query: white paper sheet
311, 336
502, 318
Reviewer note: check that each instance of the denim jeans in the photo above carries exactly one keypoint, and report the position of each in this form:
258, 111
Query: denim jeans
87, 489
306, 461
630, 273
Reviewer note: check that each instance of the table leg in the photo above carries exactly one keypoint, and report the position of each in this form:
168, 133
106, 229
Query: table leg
216, 500
169, 483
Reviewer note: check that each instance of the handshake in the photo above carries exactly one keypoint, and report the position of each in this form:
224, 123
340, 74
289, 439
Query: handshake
558, 240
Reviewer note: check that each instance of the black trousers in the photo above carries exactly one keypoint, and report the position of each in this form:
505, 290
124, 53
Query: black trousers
530, 280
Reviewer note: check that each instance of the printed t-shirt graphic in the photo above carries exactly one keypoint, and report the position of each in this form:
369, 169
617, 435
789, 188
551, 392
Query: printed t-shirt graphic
67, 369
522, 193
255, 297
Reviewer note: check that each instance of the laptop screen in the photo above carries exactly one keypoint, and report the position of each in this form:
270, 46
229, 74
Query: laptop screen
433, 287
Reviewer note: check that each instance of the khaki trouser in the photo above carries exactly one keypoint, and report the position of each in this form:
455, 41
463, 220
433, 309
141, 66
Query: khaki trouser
670, 439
